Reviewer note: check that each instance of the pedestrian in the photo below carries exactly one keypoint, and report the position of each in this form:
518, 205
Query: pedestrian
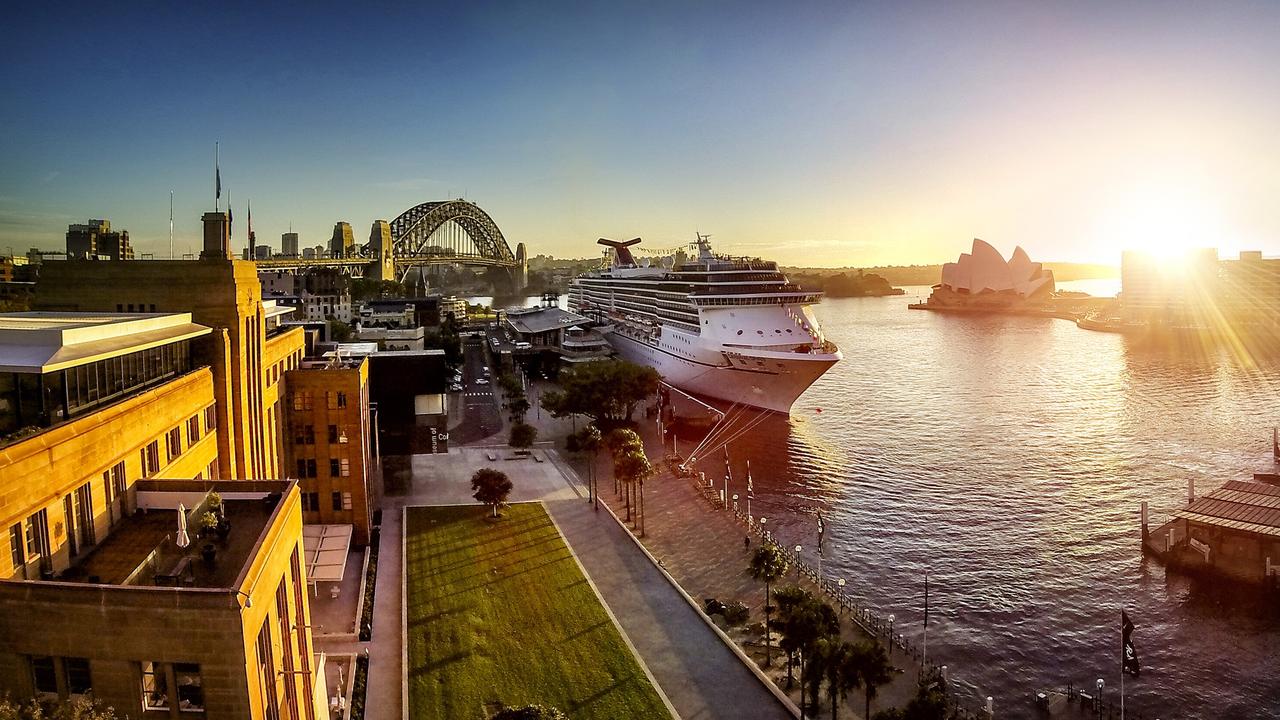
746, 542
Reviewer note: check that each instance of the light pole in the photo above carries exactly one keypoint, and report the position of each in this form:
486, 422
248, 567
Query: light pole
1098, 700
891, 619
735, 502
764, 533
840, 583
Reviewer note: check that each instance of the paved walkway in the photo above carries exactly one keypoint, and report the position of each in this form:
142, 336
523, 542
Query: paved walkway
704, 679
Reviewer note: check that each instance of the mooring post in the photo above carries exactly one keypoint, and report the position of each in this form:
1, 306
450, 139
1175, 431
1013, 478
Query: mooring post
1191, 490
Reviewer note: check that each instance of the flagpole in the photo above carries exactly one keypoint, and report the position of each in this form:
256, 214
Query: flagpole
217, 181
170, 224
1122, 650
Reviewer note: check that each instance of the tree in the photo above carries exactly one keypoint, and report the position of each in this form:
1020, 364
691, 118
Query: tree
491, 487
767, 565
339, 331
518, 408
589, 441
522, 435
78, 708
626, 466
788, 599
530, 712
605, 390
874, 670
619, 441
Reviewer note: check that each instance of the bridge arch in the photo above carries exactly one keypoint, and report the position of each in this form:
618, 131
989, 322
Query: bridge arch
481, 241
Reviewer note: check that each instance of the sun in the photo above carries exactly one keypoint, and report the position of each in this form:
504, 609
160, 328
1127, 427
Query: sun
1165, 221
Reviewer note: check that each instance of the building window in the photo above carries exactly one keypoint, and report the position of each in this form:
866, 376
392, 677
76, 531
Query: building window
43, 675
117, 482
79, 680
211, 418
190, 687
212, 472
302, 400
267, 674
173, 444
37, 531
16, 553
193, 430
345, 466
346, 501
342, 399
155, 687
337, 501
333, 433
306, 435
151, 458
335, 467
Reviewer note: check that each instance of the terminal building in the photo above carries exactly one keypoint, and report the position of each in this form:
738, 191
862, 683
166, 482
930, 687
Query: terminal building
137, 401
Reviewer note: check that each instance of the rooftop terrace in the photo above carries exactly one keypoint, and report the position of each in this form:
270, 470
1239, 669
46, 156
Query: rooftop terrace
142, 549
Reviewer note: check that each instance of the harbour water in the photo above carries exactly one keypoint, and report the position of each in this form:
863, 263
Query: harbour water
1009, 456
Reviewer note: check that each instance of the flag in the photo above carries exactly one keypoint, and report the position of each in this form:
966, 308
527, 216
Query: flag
250, 221
217, 182
751, 491
1129, 663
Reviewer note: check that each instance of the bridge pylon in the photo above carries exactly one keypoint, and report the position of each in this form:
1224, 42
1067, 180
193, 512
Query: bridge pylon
380, 248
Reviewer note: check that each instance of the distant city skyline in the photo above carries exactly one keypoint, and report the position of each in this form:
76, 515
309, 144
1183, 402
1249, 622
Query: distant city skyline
822, 135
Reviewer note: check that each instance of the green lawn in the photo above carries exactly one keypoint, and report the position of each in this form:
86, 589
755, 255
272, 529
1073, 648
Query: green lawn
500, 612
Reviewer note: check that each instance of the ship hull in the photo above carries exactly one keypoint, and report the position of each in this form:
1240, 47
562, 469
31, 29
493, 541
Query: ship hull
775, 388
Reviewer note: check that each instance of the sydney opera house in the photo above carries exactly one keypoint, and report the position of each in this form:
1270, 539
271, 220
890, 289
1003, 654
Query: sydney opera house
982, 278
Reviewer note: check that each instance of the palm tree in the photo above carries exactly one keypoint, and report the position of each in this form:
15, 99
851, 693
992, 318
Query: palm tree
789, 600
767, 565
619, 441
631, 467
874, 670
842, 674
823, 655
589, 441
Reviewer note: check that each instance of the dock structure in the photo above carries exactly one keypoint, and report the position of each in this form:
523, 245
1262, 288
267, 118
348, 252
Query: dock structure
1233, 531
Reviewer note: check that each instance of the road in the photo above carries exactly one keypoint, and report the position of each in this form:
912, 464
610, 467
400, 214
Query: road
480, 417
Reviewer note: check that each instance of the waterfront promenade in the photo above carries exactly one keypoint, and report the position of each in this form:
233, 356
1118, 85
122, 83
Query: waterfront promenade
702, 677
702, 548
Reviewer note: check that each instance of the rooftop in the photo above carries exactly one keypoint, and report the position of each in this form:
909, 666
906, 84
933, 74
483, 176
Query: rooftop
41, 342
539, 320
1242, 505
142, 550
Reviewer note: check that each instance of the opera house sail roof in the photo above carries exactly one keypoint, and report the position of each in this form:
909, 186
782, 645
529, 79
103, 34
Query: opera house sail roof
984, 270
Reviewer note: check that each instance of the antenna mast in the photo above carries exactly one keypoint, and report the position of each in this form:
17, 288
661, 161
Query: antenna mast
170, 224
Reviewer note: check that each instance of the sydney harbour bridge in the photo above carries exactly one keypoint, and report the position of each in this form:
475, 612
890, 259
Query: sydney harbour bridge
448, 232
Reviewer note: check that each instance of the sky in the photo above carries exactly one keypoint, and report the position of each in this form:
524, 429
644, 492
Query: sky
841, 134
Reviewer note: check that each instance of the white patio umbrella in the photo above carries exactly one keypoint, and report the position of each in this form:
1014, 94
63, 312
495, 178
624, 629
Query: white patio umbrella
183, 539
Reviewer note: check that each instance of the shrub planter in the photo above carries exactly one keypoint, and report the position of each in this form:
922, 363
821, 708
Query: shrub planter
370, 578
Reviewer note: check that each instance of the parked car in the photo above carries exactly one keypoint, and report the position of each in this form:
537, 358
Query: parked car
482, 381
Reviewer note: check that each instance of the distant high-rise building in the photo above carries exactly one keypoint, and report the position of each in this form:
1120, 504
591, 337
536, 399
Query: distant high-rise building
95, 239
262, 252
343, 240
309, 253
289, 244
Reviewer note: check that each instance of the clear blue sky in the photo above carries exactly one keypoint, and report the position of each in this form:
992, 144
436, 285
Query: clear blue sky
825, 134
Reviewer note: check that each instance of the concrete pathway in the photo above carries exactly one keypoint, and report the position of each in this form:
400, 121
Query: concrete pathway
703, 678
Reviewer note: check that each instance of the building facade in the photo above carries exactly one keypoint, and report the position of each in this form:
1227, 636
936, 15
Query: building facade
331, 447
219, 292
95, 240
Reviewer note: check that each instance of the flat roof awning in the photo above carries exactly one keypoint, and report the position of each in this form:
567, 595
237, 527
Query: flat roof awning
326, 548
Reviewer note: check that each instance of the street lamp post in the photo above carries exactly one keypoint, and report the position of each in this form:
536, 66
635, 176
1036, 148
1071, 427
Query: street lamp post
1098, 700
735, 502
891, 619
840, 583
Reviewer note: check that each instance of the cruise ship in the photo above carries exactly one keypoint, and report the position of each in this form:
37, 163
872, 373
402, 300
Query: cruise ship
725, 327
